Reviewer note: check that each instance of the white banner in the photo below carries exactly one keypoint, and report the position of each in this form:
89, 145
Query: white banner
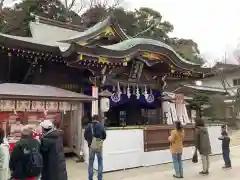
7, 105
95, 103
23, 105
38, 105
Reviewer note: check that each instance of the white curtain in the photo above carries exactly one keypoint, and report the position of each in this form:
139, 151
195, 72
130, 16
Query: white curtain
173, 112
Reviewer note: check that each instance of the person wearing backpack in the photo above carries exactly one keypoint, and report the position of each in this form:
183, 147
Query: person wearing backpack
25, 160
95, 134
54, 164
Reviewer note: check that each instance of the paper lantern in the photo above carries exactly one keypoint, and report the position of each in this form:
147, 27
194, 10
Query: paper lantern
105, 104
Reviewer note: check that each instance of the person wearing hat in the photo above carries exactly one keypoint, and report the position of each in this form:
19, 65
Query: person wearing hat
19, 161
54, 164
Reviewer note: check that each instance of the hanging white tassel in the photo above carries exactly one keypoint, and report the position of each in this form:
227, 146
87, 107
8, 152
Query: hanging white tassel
124, 90
138, 93
128, 92
145, 93
164, 82
119, 92
15, 112
64, 111
45, 112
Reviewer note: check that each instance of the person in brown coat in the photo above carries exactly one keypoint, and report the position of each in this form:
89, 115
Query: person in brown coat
176, 147
202, 144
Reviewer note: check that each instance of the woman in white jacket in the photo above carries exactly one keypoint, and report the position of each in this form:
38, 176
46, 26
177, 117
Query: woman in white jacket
4, 157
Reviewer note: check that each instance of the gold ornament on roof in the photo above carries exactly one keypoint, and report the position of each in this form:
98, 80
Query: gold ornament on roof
109, 31
97, 37
152, 56
172, 70
102, 60
80, 57
127, 59
188, 73
83, 43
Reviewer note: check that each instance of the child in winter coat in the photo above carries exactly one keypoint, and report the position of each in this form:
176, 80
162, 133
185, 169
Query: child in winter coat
225, 149
4, 157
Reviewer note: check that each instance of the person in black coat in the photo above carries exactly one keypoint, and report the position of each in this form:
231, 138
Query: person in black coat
18, 159
54, 164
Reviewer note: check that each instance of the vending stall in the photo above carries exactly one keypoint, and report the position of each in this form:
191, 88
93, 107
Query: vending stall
22, 104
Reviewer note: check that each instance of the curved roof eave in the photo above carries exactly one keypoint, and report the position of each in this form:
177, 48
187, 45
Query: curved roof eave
131, 47
31, 44
94, 30
130, 43
118, 28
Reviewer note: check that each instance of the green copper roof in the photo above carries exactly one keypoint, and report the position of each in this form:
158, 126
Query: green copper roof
92, 29
129, 43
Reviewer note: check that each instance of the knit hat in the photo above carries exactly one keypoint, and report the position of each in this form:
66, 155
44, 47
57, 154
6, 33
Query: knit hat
47, 124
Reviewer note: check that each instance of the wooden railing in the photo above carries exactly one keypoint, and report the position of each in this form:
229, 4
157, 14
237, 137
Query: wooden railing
156, 137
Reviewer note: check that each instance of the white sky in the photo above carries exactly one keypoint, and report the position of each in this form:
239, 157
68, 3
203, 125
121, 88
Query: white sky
213, 24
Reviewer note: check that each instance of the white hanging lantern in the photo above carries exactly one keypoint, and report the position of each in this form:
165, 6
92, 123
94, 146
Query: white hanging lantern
104, 104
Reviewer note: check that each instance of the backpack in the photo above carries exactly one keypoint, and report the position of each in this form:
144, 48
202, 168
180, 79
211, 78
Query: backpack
34, 162
97, 143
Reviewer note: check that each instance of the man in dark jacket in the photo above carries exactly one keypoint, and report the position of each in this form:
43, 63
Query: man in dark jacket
94, 130
202, 144
54, 165
19, 160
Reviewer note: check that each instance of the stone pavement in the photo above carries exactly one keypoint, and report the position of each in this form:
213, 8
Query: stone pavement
235, 137
78, 171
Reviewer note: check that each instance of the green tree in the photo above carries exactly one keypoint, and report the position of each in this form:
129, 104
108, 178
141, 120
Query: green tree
147, 17
143, 22
197, 103
16, 20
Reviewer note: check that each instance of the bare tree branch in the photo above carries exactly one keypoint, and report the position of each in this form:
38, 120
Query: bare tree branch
79, 5
1, 5
226, 87
70, 5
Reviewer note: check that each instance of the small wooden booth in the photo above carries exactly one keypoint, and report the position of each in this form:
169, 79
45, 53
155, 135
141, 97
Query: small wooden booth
34, 103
